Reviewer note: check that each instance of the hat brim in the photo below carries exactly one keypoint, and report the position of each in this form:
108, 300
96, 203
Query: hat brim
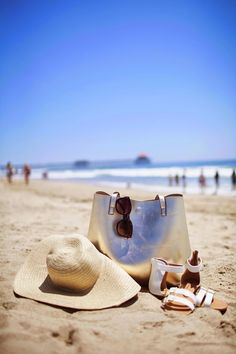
112, 288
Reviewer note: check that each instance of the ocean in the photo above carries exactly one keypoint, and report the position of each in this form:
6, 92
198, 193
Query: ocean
156, 177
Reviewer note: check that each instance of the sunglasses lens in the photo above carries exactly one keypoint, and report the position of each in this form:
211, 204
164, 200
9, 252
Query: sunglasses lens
123, 206
124, 228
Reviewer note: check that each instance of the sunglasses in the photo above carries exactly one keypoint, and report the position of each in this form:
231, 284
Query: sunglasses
124, 227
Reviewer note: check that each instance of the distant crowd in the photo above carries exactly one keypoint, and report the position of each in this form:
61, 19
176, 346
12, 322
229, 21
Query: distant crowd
11, 171
175, 180
26, 171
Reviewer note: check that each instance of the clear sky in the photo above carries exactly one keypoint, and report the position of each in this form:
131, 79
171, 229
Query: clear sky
109, 79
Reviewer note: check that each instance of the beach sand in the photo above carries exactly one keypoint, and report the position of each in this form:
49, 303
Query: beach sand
28, 214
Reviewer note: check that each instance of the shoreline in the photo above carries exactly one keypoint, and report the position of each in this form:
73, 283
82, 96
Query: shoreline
192, 190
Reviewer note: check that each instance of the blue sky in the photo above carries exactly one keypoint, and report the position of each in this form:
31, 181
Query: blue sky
109, 79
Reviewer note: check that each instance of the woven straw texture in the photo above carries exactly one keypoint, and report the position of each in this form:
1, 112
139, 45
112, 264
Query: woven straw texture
68, 271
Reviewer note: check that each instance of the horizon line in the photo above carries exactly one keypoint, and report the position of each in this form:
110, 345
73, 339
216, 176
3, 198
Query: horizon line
126, 160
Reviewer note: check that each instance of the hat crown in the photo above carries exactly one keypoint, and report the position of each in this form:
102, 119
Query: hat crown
74, 264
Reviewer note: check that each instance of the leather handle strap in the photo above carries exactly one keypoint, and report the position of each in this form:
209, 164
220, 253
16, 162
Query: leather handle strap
162, 201
112, 203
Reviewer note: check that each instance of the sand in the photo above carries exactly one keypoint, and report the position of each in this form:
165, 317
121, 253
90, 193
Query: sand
30, 213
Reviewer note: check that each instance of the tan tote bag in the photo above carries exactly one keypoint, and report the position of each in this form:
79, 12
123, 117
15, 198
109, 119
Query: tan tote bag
158, 230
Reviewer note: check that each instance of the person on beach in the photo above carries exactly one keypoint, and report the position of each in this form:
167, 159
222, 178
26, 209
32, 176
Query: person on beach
233, 179
217, 181
26, 172
177, 179
45, 175
9, 172
184, 182
202, 181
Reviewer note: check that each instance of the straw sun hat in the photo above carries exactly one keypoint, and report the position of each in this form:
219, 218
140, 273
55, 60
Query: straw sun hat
69, 271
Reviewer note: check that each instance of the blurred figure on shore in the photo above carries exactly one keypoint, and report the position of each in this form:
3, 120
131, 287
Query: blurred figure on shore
45, 175
202, 181
233, 179
217, 181
170, 179
26, 172
9, 172
184, 182
177, 180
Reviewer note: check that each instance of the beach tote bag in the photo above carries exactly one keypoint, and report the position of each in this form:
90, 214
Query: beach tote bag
131, 232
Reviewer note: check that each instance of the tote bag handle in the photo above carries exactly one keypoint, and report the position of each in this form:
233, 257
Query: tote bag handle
162, 201
112, 203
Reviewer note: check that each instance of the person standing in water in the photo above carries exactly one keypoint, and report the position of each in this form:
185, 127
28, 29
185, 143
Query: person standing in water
233, 179
26, 172
177, 179
45, 175
217, 181
9, 172
202, 181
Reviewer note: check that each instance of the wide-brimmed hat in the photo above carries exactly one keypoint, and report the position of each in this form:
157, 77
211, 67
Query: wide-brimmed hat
69, 271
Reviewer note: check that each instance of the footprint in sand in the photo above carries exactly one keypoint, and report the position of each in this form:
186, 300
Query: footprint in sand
69, 336
9, 305
187, 334
149, 325
228, 328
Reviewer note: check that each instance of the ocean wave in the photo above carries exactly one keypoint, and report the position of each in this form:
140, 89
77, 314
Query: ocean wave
193, 172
